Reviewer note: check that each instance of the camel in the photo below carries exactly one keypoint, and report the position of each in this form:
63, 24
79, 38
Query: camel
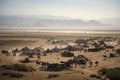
91, 63
43, 64
96, 63
104, 56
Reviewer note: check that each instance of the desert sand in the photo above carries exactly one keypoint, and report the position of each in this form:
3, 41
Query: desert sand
13, 40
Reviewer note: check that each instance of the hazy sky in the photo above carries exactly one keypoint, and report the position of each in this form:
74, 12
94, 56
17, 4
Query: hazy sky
86, 9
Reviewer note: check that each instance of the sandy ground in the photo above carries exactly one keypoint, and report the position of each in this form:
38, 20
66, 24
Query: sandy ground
10, 41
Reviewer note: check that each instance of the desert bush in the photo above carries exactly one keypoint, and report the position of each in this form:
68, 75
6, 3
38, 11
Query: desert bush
95, 76
4, 52
7, 66
13, 74
52, 76
21, 67
112, 73
103, 71
18, 67
118, 51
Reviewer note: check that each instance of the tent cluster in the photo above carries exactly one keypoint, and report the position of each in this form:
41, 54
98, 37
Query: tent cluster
96, 44
53, 50
36, 50
24, 51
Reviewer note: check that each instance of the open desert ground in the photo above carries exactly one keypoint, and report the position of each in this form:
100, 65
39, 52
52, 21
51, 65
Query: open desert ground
49, 40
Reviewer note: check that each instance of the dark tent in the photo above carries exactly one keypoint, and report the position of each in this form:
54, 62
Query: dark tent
67, 54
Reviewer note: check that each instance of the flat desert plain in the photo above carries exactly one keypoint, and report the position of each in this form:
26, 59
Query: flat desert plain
85, 44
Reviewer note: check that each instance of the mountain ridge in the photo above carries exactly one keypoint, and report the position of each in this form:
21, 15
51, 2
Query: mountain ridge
30, 22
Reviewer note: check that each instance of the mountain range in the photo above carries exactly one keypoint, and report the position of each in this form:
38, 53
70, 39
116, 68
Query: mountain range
56, 22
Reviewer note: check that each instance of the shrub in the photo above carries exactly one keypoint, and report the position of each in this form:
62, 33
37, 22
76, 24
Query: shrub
4, 52
52, 76
112, 73
18, 67
103, 71
118, 51
13, 74
16, 75
95, 76
7, 66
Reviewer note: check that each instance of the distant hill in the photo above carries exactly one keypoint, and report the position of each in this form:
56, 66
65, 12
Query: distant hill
52, 22
112, 21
